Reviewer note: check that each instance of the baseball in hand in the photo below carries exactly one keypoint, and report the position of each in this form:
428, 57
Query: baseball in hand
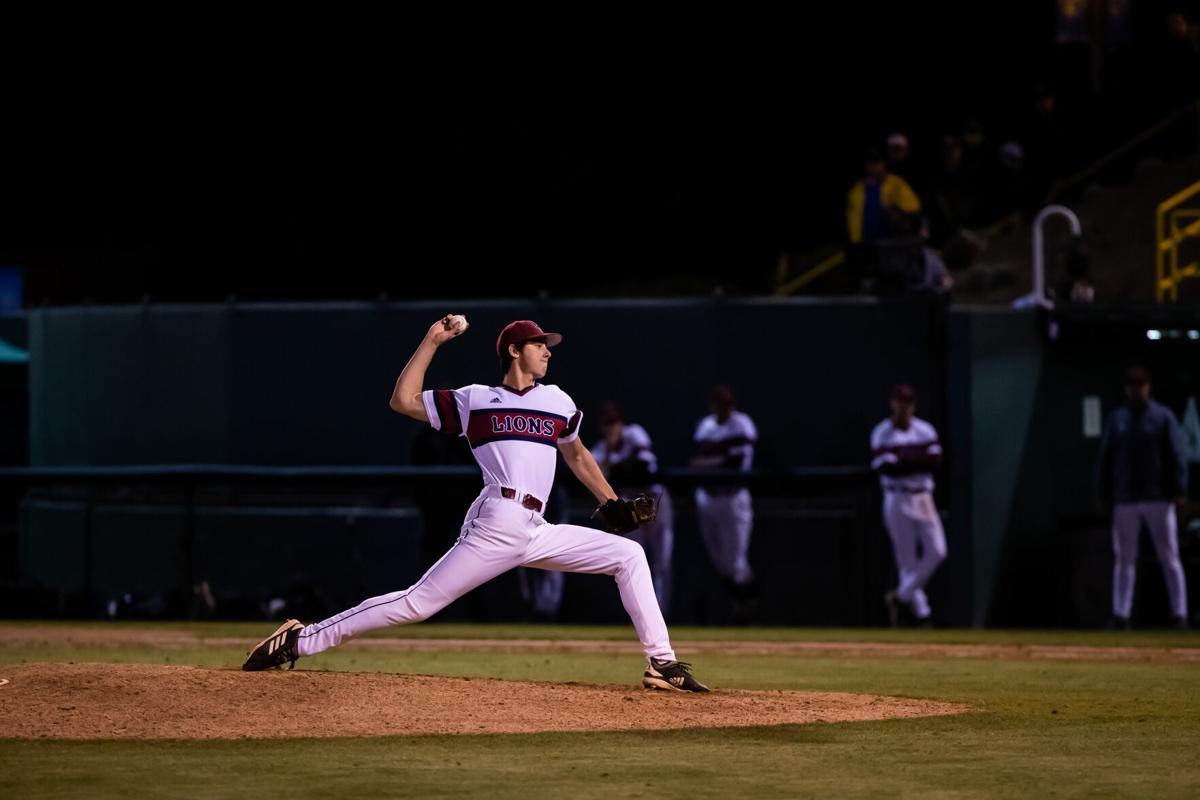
456, 323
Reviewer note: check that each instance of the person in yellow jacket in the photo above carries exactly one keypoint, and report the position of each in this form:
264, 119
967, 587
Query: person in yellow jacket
876, 201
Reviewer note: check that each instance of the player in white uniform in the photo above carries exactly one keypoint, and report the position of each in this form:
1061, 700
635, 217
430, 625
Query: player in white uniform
905, 451
627, 461
516, 431
725, 439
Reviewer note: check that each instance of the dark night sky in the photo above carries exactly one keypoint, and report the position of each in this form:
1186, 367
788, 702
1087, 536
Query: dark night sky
364, 168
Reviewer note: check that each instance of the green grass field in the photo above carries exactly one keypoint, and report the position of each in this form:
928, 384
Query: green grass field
1056, 728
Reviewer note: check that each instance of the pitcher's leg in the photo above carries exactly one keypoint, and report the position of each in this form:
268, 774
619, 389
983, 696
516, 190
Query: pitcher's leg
571, 548
1160, 519
1125, 527
465, 566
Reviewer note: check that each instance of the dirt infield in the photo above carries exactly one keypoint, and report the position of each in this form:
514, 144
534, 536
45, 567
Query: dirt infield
91, 636
137, 701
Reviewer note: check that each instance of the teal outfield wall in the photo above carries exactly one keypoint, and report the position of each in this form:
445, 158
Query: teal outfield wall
309, 384
996, 359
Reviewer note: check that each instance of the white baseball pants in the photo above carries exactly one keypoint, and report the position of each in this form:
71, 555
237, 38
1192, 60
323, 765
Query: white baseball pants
911, 518
499, 534
1159, 517
726, 521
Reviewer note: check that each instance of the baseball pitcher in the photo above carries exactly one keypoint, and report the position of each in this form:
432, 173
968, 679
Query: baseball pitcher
515, 431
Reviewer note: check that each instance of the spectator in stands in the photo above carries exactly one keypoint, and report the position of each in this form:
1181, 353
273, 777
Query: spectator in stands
977, 161
934, 277
1045, 143
1176, 79
1011, 191
879, 206
896, 149
1075, 288
960, 251
951, 198
1181, 56
908, 264
878, 203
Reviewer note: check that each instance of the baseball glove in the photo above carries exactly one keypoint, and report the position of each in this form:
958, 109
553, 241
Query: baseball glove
623, 516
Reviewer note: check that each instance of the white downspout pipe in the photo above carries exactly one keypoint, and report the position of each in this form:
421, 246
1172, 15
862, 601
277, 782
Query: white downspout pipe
1038, 297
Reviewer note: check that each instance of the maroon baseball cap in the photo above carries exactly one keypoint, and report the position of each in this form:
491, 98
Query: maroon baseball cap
523, 330
903, 393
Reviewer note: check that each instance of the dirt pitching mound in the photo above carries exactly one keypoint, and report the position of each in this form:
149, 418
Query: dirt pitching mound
135, 701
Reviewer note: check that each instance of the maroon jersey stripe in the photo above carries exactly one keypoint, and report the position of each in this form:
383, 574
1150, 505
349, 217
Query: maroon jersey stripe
448, 413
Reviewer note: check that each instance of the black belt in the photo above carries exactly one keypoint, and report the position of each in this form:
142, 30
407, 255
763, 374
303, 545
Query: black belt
529, 501
905, 490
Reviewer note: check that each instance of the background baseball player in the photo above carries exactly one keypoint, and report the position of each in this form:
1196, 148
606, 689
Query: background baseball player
627, 460
1143, 475
905, 451
725, 440
516, 431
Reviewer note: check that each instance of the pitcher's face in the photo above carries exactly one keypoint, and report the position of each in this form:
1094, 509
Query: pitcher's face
534, 359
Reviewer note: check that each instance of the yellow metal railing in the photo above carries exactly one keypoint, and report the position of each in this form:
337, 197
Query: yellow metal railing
785, 285
1174, 223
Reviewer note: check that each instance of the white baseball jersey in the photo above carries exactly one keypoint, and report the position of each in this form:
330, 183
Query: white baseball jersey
905, 458
732, 439
634, 444
513, 435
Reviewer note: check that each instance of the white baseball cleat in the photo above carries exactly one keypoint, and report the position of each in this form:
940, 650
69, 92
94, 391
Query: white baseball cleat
277, 648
